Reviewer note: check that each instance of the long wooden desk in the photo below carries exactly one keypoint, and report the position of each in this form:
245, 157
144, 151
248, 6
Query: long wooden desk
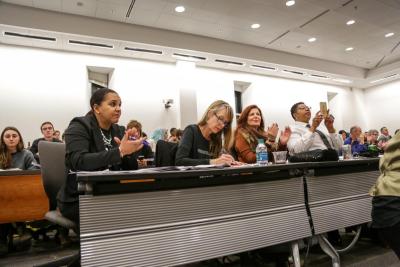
176, 217
22, 196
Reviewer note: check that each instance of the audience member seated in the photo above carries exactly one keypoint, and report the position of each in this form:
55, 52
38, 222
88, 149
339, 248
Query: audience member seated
12, 151
179, 134
251, 128
208, 141
386, 196
306, 137
57, 134
13, 155
344, 134
384, 138
96, 142
173, 135
47, 130
145, 152
356, 140
372, 137
158, 134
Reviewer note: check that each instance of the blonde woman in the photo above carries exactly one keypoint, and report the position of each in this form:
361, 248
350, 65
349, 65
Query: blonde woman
208, 141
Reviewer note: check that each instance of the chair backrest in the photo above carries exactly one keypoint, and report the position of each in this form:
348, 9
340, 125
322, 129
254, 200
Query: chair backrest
165, 153
52, 161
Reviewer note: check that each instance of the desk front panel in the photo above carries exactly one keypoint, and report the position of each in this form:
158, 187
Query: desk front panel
164, 228
340, 200
22, 198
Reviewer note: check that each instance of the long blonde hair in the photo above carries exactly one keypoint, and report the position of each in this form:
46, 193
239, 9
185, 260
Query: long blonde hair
216, 139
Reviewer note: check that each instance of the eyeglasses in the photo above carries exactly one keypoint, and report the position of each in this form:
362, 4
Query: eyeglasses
47, 128
221, 119
304, 107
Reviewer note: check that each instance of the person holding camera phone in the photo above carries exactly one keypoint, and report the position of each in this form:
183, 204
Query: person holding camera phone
306, 135
145, 152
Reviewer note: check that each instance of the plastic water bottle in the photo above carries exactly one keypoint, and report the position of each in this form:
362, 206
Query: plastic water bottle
261, 153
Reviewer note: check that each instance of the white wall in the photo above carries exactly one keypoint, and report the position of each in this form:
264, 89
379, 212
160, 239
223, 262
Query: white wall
39, 85
382, 106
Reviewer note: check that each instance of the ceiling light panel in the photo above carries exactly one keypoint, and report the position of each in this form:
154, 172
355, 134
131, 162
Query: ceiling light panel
180, 9
290, 2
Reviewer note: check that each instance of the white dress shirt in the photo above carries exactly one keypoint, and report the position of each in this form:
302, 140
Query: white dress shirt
302, 139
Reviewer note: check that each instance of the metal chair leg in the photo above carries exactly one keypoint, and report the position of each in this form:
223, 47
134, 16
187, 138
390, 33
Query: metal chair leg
296, 254
329, 250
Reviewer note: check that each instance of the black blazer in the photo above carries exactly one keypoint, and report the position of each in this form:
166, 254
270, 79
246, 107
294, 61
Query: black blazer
85, 151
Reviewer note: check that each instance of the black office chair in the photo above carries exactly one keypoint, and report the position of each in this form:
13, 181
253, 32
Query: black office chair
52, 160
165, 153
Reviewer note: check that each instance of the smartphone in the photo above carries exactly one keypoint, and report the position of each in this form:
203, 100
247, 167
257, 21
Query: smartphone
323, 108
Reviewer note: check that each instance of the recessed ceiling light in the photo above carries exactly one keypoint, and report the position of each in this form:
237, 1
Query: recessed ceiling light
390, 34
312, 39
255, 26
351, 22
349, 49
180, 9
290, 3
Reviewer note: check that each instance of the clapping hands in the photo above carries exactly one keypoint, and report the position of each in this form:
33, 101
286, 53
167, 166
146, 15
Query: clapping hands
127, 146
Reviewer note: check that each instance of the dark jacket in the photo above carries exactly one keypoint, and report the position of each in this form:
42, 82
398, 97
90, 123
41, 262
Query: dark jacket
85, 151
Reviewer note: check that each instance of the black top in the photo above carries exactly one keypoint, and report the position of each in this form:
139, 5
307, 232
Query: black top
385, 211
193, 149
86, 151
145, 151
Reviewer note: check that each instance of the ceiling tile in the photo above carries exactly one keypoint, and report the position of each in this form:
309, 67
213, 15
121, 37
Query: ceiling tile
154, 5
117, 2
55, 5
231, 19
143, 17
19, 2
372, 12
111, 11
328, 4
88, 7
